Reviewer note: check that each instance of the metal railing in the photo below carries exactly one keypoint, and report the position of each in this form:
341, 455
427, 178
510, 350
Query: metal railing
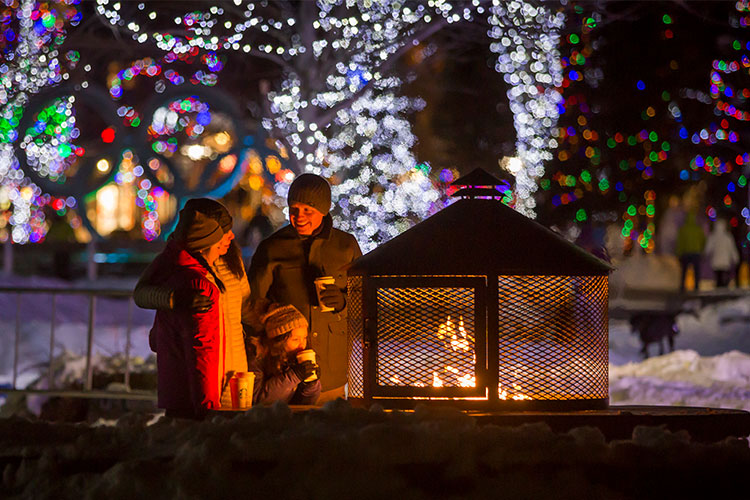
87, 391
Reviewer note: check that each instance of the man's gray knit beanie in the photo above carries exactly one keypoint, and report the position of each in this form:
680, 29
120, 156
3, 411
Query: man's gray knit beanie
312, 190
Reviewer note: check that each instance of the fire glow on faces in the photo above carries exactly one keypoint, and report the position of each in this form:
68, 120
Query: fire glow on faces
297, 340
304, 218
213, 252
225, 241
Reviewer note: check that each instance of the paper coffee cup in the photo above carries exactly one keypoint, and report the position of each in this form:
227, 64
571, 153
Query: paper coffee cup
320, 284
307, 355
245, 382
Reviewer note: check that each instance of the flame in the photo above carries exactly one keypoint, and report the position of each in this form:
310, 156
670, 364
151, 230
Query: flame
504, 395
455, 335
467, 380
457, 339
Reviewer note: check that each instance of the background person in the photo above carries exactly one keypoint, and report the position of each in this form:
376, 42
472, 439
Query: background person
278, 375
187, 342
285, 265
690, 242
152, 293
722, 253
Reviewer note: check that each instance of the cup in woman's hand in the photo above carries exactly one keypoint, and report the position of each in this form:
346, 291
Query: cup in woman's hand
308, 355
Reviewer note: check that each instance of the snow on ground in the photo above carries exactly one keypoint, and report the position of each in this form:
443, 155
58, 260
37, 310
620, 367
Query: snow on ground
711, 362
710, 365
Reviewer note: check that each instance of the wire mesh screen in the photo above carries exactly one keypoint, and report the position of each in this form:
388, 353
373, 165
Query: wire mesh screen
553, 337
425, 337
356, 326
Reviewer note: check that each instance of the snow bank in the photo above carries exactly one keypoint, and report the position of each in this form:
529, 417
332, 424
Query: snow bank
716, 328
342, 452
684, 378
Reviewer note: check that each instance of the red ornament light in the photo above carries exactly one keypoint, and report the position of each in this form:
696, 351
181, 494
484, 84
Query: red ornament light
108, 135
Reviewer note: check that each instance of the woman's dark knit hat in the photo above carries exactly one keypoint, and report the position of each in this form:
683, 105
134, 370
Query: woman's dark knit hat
212, 209
198, 230
312, 190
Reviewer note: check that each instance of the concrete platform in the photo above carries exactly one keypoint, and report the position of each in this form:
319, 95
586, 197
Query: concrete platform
617, 422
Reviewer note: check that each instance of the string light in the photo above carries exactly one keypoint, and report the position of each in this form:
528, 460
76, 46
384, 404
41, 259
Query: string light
352, 128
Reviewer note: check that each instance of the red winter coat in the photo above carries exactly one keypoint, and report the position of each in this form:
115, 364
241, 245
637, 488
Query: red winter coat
186, 344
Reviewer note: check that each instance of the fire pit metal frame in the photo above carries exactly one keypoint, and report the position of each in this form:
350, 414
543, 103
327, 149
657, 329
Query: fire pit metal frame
543, 301
364, 333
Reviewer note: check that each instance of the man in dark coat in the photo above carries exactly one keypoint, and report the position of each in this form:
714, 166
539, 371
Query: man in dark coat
285, 265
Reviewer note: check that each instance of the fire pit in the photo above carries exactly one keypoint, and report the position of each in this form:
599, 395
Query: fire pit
481, 307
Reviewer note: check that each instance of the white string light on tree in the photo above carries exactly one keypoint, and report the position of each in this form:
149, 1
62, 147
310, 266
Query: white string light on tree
530, 62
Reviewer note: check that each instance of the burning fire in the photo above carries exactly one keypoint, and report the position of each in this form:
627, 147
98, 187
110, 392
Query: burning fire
456, 337
459, 340
503, 394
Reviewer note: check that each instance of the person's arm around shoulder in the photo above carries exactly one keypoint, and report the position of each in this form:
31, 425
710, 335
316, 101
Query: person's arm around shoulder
148, 295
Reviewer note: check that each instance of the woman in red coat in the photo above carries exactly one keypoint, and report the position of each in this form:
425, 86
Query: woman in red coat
187, 342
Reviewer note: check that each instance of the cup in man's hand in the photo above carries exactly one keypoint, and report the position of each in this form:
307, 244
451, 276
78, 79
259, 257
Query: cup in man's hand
308, 355
320, 285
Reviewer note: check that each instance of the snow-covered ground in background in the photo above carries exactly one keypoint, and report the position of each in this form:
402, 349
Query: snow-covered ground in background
113, 318
711, 362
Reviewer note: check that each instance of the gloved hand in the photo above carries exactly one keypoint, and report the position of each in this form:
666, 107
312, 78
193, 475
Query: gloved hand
190, 299
332, 296
304, 369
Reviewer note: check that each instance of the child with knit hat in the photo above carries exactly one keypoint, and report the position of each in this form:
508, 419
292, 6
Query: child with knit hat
278, 375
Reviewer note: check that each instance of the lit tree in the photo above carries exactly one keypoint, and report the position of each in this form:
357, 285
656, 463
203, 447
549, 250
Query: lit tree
622, 160
350, 126
338, 107
30, 39
576, 185
720, 141
529, 58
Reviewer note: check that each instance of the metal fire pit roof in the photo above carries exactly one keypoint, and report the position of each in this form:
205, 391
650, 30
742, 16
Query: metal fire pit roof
479, 237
